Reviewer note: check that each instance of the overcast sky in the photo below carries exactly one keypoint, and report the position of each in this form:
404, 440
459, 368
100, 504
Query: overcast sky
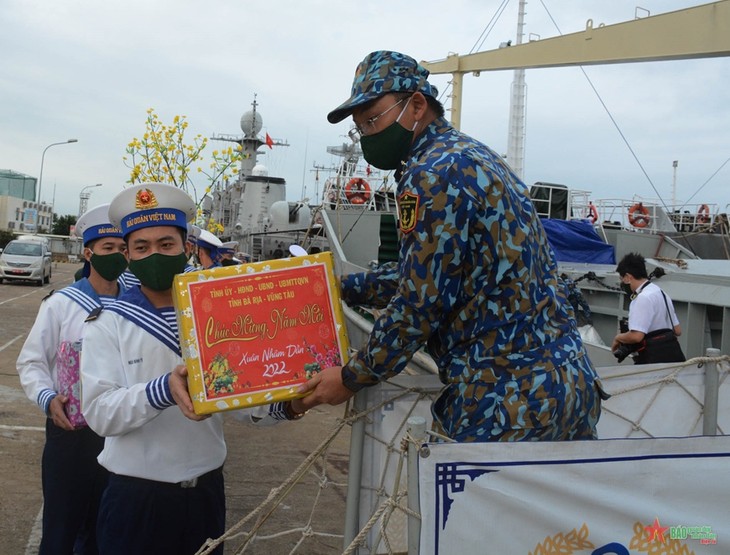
89, 70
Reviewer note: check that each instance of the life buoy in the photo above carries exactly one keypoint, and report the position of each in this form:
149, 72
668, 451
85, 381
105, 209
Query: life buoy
357, 190
703, 215
592, 213
639, 215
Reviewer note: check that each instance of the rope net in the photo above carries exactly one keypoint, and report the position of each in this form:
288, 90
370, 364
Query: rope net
305, 512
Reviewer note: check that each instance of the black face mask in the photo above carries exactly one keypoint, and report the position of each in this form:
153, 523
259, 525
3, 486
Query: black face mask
387, 149
109, 266
157, 271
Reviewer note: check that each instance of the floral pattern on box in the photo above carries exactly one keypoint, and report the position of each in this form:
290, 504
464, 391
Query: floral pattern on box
69, 384
251, 334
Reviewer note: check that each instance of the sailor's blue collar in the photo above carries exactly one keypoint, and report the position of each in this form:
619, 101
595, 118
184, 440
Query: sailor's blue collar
83, 293
134, 296
137, 308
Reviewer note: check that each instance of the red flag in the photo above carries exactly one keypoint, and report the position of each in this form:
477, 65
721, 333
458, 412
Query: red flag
269, 141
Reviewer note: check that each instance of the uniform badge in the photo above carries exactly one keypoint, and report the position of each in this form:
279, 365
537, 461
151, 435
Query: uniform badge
94, 314
145, 199
408, 211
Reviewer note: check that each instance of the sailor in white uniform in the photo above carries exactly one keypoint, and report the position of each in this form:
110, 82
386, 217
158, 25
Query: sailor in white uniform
227, 252
208, 249
128, 280
165, 492
48, 366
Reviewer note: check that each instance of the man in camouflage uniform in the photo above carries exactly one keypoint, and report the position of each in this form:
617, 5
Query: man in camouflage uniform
476, 281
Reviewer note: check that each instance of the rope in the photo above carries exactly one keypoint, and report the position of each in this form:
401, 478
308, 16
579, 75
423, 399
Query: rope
275, 496
680, 263
696, 361
663, 381
386, 500
262, 513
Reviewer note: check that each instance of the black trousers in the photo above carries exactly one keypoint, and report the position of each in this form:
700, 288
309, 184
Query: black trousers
73, 482
145, 517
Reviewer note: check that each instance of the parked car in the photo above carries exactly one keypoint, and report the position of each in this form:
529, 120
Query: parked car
26, 259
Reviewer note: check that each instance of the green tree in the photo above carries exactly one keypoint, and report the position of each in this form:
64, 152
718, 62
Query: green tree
162, 155
62, 224
5, 237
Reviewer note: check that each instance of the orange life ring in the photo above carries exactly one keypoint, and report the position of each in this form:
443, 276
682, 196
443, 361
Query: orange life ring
357, 190
592, 213
703, 215
639, 215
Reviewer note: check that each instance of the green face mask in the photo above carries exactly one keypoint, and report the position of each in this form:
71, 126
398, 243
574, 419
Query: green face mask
109, 266
387, 149
157, 271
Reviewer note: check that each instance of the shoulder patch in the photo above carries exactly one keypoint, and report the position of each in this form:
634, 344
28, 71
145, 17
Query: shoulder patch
407, 211
94, 314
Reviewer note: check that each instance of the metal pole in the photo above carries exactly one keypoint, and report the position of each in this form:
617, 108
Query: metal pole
40, 175
354, 475
712, 386
53, 207
417, 431
84, 199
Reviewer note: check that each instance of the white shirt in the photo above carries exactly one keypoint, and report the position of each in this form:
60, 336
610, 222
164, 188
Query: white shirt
120, 363
59, 321
58, 329
648, 311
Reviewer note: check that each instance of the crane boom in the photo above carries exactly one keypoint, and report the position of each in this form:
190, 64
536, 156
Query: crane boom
697, 32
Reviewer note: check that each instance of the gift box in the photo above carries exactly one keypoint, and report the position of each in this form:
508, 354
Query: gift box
250, 334
68, 357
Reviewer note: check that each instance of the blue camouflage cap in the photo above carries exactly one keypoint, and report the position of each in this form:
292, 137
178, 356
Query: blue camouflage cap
380, 73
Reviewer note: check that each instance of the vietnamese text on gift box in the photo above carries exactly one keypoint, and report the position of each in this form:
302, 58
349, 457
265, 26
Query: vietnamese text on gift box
251, 333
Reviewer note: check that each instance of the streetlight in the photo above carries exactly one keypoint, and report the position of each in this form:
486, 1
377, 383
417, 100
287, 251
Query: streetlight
84, 198
40, 177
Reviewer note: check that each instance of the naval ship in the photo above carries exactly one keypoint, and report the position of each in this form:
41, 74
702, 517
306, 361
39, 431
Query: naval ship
253, 209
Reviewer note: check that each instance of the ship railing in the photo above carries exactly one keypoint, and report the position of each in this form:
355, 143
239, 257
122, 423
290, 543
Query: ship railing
557, 201
652, 216
336, 197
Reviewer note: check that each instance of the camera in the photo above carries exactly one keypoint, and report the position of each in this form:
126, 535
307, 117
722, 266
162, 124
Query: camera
624, 350
623, 325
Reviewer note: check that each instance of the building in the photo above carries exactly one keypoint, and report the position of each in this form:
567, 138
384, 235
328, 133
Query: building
18, 210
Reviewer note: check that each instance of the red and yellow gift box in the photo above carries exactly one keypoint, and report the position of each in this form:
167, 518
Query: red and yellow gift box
250, 334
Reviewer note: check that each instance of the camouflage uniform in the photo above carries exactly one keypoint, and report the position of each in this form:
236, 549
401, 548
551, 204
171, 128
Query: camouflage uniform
476, 283
479, 287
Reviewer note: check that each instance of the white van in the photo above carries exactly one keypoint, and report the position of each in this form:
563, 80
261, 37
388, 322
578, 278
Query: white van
26, 259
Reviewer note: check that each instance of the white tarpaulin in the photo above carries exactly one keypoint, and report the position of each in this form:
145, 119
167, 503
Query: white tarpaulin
622, 496
647, 401
658, 400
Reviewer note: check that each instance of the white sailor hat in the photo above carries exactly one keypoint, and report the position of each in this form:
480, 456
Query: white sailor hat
207, 240
228, 248
193, 233
151, 205
94, 224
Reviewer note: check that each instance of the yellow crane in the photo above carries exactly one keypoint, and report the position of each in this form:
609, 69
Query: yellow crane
698, 32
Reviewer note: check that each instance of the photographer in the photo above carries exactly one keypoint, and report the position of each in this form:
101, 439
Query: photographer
653, 326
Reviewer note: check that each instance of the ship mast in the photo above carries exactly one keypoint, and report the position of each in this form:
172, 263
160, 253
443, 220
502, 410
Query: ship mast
517, 111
